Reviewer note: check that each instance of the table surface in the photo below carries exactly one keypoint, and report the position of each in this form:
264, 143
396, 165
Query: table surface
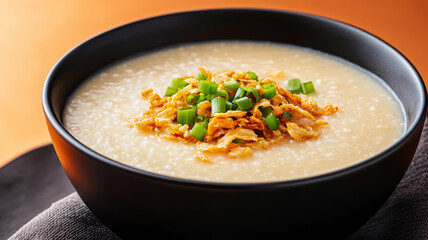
35, 34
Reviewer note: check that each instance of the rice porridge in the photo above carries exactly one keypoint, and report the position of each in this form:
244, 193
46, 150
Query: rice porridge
369, 118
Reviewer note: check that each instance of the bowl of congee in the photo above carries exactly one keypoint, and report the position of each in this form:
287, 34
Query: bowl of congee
234, 123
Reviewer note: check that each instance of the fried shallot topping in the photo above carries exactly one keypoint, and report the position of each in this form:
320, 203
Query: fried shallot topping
233, 112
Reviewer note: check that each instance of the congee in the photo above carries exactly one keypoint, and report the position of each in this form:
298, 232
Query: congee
235, 111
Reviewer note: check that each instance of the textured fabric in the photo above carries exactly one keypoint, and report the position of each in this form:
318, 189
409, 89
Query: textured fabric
69, 218
403, 216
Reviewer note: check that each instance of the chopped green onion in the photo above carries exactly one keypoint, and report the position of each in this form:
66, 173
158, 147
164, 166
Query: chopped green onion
178, 83
236, 140
239, 93
186, 115
234, 106
265, 111
202, 120
202, 98
271, 121
229, 106
231, 85
198, 131
269, 118
244, 104
193, 99
170, 91
293, 85
308, 87
208, 87
222, 93
253, 75
201, 76
266, 86
218, 105
270, 91
252, 93
209, 97
287, 115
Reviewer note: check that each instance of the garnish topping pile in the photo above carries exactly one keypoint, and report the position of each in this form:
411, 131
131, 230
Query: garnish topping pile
233, 112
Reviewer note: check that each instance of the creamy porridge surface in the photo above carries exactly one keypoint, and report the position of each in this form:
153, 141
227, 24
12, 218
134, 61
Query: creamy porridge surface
369, 118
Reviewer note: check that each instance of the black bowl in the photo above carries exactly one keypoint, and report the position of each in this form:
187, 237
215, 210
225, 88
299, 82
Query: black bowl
134, 203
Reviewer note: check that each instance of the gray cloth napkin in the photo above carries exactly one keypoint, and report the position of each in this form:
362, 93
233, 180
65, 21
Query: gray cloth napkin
68, 218
403, 216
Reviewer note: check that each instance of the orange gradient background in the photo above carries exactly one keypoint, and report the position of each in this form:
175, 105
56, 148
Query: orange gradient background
35, 34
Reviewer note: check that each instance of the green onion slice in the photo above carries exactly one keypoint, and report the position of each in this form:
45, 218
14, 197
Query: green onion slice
270, 91
202, 98
201, 76
229, 105
202, 120
239, 94
209, 97
269, 118
265, 111
252, 93
193, 99
231, 85
287, 115
244, 103
186, 115
170, 91
198, 131
253, 75
293, 85
267, 86
218, 105
208, 87
234, 106
271, 121
223, 94
178, 83
308, 87
236, 140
